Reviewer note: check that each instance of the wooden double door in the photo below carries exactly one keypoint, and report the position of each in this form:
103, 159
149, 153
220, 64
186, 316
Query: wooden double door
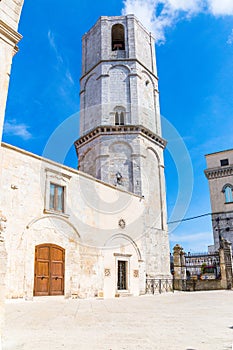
49, 270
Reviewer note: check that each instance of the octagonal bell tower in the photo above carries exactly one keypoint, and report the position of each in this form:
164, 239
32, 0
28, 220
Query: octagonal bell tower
120, 133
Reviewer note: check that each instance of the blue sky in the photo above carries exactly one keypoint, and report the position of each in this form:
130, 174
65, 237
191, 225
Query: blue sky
195, 68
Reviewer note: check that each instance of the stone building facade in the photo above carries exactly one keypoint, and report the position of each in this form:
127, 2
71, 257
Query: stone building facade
93, 239
10, 11
219, 173
100, 230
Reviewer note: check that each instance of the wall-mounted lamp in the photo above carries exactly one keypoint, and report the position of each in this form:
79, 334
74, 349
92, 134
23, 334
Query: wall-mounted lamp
119, 178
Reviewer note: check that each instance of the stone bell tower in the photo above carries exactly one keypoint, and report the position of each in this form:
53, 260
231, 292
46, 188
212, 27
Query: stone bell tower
120, 131
120, 116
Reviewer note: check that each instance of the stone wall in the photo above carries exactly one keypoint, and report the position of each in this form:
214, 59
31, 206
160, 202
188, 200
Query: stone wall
198, 285
224, 280
116, 86
10, 11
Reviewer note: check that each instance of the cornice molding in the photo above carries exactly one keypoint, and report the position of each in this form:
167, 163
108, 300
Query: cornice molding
119, 61
120, 130
214, 173
9, 35
50, 171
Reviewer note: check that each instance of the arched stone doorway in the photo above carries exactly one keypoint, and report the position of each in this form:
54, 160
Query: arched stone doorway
49, 270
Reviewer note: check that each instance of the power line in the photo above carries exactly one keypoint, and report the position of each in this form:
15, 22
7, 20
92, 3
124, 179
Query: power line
191, 218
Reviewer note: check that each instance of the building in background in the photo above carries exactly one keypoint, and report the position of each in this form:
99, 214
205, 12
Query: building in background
219, 173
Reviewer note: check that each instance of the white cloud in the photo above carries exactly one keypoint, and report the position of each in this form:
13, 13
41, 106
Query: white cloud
54, 46
220, 7
157, 15
143, 10
62, 62
191, 6
230, 38
69, 77
12, 128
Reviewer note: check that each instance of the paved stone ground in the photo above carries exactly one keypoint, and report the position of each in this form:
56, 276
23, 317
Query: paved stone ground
182, 321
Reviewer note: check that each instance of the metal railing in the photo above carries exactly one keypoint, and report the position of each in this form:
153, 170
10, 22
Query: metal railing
154, 285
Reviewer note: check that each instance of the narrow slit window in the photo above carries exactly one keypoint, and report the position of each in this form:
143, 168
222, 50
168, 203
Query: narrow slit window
117, 122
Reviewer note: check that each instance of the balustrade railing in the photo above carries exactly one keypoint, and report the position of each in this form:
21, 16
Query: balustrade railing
154, 285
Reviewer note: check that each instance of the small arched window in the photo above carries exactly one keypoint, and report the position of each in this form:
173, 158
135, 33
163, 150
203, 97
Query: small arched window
227, 190
118, 37
119, 119
119, 116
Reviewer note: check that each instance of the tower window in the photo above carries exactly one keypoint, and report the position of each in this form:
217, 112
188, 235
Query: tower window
224, 162
118, 37
122, 119
119, 118
227, 190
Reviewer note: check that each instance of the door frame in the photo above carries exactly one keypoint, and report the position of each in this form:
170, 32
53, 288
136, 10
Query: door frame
126, 258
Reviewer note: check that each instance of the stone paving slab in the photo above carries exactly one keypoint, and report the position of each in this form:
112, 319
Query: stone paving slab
179, 321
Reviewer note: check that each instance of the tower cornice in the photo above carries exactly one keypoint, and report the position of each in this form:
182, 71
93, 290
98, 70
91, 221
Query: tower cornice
214, 173
9, 35
120, 130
